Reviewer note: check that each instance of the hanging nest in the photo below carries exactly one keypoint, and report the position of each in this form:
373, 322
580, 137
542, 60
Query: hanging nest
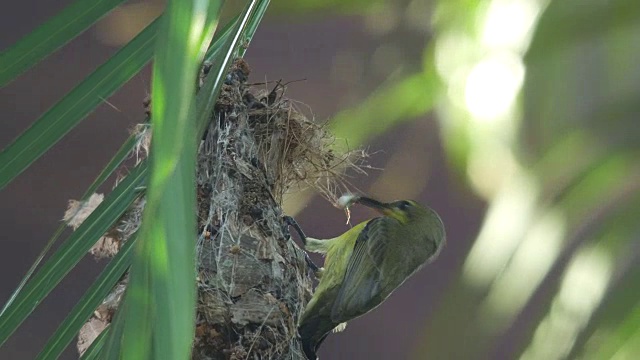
252, 280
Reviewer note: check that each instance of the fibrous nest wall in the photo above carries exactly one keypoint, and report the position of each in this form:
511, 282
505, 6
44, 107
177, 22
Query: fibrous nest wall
252, 280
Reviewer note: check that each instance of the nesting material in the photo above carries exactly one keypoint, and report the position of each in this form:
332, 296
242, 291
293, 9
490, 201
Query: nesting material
294, 151
345, 201
78, 211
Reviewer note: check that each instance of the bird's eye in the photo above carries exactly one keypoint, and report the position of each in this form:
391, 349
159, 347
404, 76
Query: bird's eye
404, 205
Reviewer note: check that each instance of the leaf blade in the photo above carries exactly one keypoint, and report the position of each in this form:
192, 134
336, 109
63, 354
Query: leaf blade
76, 105
70, 252
157, 315
92, 298
48, 37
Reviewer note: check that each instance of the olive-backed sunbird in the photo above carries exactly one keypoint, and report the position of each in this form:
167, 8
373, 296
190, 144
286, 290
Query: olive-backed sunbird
366, 264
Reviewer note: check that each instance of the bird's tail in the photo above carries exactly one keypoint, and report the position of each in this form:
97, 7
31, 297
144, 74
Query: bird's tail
312, 333
310, 348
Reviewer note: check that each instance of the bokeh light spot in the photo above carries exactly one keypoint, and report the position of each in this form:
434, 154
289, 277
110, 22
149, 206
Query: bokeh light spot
493, 84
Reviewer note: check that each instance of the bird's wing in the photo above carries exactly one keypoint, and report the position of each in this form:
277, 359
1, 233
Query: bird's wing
361, 290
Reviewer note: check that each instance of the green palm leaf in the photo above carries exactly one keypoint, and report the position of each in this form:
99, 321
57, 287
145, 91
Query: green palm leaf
71, 251
75, 106
48, 37
156, 316
94, 296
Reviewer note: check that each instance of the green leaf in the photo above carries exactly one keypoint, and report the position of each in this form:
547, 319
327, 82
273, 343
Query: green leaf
70, 252
69, 111
621, 339
156, 319
609, 326
234, 38
221, 38
50, 36
94, 296
115, 162
255, 11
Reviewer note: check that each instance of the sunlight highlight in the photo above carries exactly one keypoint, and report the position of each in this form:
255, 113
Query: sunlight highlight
508, 24
492, 85
583, 287
529, 265
200, 12
490, 167
484, 73
502, 231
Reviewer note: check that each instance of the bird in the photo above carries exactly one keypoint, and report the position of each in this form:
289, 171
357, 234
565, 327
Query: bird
366, 264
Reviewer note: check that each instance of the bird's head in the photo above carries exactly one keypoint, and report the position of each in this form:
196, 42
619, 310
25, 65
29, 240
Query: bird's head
404, 211
417, 218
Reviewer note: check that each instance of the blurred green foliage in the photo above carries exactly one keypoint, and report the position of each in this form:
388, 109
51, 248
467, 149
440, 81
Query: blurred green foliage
556, 157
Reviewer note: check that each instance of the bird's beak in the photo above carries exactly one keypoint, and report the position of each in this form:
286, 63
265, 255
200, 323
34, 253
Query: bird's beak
381, 207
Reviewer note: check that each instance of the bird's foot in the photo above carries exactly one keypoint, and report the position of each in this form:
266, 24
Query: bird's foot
289, 221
